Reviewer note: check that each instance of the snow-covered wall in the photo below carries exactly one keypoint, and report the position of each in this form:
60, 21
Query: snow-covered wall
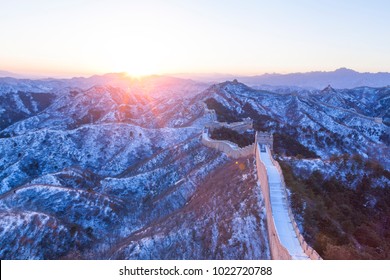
236, 126
227, 147
306, 248
278, 251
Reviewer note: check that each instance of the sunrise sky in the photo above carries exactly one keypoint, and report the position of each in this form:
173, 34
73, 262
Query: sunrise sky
84, 37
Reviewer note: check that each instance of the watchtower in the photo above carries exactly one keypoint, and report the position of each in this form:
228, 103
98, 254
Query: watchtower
265, 138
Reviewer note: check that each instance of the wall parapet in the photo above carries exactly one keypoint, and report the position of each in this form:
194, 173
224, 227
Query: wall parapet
278, 251
229, 148
307, 249
237, 126
265, 138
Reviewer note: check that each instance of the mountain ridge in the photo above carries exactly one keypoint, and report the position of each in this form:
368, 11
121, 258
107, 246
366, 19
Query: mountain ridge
340, 78
104, 166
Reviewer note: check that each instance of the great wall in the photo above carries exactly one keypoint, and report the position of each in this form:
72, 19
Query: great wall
285, 239
227, 147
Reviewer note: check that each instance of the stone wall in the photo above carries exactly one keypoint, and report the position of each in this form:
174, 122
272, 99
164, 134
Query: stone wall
237, 126
211, 113
229, 148
265, 138
278, 251
313, 255
309, 251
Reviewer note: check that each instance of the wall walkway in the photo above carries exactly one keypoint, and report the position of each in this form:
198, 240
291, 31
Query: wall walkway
286, 241
309, 251
284, 234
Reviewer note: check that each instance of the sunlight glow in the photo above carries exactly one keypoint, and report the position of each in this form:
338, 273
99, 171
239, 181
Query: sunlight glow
139, 72
174, 36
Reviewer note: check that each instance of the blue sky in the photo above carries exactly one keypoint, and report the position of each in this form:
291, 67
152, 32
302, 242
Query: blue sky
84, 37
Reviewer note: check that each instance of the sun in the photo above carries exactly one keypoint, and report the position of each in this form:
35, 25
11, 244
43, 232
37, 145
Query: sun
140, 72
137, 60
141, 69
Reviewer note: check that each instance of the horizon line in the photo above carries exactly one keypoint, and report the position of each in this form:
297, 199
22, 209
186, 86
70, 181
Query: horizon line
184, 75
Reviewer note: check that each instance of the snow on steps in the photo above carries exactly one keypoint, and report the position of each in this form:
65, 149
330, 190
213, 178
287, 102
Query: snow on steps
284, 235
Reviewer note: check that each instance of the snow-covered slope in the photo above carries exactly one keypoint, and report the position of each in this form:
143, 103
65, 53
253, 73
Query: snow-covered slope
326, 122
84, 169
333, 146
110, 167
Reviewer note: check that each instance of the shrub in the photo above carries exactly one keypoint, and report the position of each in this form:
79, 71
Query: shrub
337, 221
288, 145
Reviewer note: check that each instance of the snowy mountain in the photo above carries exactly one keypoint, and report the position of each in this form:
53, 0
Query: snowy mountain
108, 172
8, 74
340, 78
345, 118
113, 167
333, 146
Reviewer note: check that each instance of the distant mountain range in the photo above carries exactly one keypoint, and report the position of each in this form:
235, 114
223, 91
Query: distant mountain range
8, 74
341, 78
